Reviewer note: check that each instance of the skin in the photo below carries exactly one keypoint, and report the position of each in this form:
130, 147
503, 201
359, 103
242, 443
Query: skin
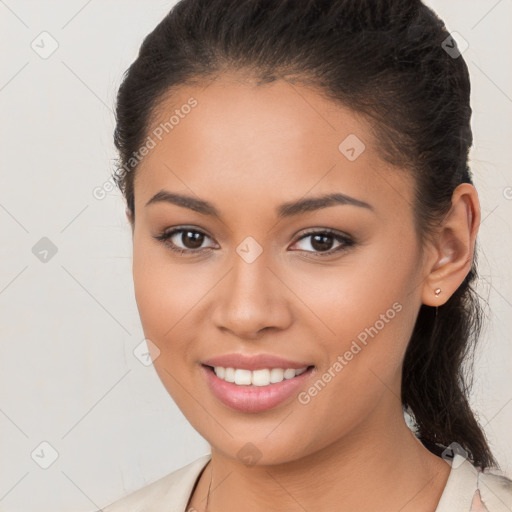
247, 149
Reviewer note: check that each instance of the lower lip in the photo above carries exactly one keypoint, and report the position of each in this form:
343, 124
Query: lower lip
253, 398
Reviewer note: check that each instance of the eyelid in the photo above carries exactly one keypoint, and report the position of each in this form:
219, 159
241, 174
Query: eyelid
346, 241
317, 230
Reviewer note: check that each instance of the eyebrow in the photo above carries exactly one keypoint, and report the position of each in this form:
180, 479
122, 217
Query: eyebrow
288, 209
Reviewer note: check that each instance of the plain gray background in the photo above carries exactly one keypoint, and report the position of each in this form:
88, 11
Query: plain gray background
69, 324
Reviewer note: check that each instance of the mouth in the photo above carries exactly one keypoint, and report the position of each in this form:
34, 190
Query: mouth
254, 390
256, 378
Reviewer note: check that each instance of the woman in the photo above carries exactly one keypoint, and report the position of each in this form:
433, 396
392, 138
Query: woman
304, 227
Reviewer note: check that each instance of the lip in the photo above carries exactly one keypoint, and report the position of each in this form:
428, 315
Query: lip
253, 399
256, 362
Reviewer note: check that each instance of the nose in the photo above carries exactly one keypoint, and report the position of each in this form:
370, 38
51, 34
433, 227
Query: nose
251, 298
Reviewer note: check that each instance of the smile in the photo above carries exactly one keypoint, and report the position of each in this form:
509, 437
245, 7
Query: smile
263, 377
257, 390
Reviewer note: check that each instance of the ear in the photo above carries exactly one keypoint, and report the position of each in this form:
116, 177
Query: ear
453, 247
129, 216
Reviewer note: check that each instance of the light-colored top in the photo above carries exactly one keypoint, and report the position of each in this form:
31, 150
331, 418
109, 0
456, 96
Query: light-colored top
467, 490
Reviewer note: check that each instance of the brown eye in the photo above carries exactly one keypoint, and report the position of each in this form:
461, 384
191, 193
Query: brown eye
184, 240
322, 242
192, 239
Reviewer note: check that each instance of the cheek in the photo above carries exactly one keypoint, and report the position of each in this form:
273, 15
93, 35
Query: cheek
362, 359
363, 286
367, 307
171, 298
162, 288
164, 292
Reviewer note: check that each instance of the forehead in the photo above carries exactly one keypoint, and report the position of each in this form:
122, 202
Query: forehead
278, 139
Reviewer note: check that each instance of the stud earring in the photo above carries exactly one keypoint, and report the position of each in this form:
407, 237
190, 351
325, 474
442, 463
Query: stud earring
437, 292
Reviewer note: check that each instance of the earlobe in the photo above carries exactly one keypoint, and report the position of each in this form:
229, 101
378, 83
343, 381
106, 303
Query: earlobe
453, 247
129, 216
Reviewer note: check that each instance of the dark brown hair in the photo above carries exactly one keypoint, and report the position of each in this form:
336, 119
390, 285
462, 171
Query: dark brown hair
385, 59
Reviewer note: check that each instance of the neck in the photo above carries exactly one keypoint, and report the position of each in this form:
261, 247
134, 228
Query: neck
379, 466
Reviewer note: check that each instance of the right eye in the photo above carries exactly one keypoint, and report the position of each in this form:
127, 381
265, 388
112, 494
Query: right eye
190, 238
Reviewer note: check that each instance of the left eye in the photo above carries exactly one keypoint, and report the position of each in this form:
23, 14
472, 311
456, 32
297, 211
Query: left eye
321, 242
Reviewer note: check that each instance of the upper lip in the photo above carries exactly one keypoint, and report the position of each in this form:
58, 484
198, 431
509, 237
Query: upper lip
255, 362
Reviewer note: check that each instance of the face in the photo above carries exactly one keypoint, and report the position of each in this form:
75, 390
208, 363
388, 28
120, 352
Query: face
331, 286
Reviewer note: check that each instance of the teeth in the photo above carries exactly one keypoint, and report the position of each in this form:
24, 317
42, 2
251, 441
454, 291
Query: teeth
262, 377
243, 377
229, 374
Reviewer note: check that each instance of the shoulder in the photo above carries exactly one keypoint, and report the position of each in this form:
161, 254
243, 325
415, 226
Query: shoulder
468, 488
171, 492
495, 491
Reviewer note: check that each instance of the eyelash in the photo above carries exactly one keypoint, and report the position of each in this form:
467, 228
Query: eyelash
346, 241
